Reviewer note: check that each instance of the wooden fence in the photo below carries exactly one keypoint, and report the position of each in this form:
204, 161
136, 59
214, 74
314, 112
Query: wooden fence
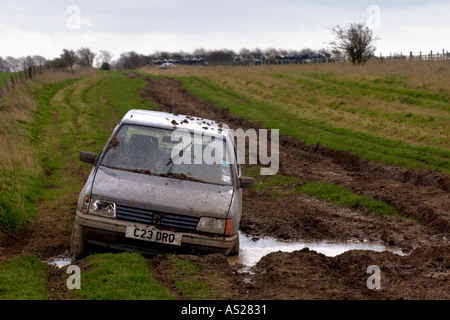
437, 55
15, 79
425, 56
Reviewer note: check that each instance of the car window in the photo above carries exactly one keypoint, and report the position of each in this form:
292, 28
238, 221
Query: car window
150, 150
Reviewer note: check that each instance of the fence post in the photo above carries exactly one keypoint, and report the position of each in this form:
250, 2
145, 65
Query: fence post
420, 55
431, 55
410, 55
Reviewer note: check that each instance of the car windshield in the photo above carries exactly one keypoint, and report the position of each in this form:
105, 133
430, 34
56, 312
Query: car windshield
170, 153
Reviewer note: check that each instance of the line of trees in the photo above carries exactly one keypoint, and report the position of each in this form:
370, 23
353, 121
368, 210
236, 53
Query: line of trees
132, 59
85, 57
355, 41
11, 64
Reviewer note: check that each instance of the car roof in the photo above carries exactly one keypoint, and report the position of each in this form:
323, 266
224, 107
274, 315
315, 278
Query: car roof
175, 121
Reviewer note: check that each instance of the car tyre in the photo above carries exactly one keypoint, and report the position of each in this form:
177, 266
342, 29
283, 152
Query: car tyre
235, 250
78, 243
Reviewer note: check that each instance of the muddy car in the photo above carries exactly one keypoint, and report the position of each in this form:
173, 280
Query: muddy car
154, 188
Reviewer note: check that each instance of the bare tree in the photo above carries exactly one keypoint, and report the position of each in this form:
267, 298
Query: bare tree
356, 41
68, 59
130, 60
27, 62
244, 52
85, 57
39, 60
199, 52
4, 66
220, 56
105, 56
104, 59
14, 64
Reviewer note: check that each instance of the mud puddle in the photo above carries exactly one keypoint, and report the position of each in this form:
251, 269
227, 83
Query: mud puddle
252, 249
60, 261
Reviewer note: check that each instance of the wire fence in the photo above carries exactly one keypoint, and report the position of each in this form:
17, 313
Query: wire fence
325, 58
14, 79
437, 55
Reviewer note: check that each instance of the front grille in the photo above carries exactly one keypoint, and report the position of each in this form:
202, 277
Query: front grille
145, 216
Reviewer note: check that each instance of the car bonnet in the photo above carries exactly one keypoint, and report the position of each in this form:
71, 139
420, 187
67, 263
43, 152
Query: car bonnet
162, 194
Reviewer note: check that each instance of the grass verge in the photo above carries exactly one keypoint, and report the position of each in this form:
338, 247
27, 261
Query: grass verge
23, 278
319, 131
122, 276
341, 196
21, 172
393, 112
337, 195
190, 280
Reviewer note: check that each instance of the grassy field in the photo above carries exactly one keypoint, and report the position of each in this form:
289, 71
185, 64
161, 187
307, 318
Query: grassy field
392, 112
279, 185
3, 76
38, 129
120, 276
46, 125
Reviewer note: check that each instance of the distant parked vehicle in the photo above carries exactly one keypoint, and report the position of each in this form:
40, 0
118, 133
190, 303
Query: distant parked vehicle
167, 65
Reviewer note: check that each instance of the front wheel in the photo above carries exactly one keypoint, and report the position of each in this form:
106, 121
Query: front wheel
78, 244
235, 250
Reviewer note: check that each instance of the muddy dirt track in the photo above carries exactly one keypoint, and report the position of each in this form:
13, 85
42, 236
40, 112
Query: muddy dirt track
422, 232
423, 272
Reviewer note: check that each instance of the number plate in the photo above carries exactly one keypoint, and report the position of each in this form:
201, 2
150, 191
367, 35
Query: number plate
153, 235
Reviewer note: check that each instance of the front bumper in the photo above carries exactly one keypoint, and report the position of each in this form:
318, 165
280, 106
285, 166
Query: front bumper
110, 233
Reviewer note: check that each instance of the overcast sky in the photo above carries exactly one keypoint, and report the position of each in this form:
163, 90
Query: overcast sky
46, 27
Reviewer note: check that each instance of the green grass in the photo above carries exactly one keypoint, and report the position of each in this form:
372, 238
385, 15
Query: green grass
23, 278
190, 280
341, 196
70, 115
273, 114
279, 185
21, 185
87, 108
126, 276
393, 113
269, 182
20, 189
122, 276
389, 88
5, 76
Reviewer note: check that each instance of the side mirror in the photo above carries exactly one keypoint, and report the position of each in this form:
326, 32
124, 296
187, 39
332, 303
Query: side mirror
88, 157
246, 182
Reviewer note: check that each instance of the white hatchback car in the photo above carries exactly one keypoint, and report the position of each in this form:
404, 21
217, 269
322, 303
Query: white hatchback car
141, 197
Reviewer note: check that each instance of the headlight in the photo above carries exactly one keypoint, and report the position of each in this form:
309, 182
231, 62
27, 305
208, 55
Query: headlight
211, 225
102, 208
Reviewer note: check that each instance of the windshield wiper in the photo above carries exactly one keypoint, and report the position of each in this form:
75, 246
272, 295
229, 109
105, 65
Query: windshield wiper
180, 154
